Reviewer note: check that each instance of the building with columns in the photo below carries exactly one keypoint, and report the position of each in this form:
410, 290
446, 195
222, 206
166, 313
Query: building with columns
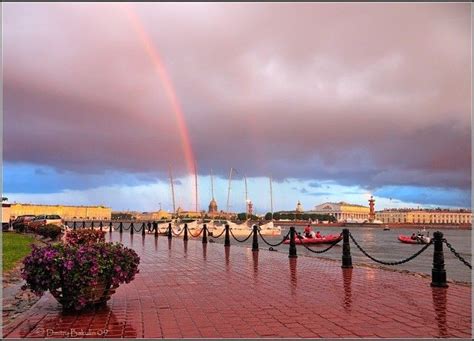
425, 216
342, 211
64, 211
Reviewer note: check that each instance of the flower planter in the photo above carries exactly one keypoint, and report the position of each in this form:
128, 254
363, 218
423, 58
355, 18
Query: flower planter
93, 295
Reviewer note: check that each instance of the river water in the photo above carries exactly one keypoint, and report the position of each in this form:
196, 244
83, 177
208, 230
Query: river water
384, 245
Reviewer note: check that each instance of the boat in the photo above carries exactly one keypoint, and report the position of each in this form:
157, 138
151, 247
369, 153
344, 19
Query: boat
386, 228
418, 240
329, 239
244, 229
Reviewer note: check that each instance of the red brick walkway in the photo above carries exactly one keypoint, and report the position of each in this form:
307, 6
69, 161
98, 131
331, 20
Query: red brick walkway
185, 292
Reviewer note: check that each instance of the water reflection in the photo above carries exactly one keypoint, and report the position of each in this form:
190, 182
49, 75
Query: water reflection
255, 264
120, 237
227, 258
143, 242
156, 243
347, 282
169, 243
293, 280
439, 305
204, 251
185, 246
131, 239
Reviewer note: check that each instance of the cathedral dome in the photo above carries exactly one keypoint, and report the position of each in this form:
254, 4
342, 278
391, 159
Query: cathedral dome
213, 206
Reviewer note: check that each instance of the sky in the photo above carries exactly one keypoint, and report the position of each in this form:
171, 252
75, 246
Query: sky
336, 102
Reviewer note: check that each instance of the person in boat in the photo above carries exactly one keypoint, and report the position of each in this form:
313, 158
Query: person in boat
299, 236
413, 236
318, 235
308, 232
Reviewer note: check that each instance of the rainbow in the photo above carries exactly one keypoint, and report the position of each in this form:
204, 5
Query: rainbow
165, 79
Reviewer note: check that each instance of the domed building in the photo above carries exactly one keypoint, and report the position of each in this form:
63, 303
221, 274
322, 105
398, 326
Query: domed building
299, 207
213, 207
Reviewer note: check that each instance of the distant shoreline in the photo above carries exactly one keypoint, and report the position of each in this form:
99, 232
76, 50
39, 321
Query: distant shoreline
379, 226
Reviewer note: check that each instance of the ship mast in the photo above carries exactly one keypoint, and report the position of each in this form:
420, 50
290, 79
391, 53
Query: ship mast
271, 196
196, 186
172, 191
246, 198
228, 190
212, 185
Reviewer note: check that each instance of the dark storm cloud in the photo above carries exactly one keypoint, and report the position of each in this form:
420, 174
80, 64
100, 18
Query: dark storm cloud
365, 94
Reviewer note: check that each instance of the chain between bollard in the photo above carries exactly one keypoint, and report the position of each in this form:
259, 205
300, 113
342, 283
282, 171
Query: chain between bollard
458, 256
274, 245
320, 251
220, 234
416, 254
177, 234
241, 240
197, 235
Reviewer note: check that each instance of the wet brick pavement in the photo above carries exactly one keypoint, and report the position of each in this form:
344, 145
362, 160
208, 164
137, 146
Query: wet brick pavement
187, 290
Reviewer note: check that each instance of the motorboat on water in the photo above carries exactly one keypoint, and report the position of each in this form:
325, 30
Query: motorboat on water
329, 239
386, 228
419, 239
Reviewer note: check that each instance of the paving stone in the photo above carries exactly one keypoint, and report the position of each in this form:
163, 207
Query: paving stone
234, 293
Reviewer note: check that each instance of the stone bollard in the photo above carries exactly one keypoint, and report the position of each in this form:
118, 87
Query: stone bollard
204, 234
92, 224
74, 225
143, 228
185, 237
227, 237
121, 227
255, 238
100, 225
438, 273
346, 250
155, 228
131, 227
169, 231
83, 224
292, 253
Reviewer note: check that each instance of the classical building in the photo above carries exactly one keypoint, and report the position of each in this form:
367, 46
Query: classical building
342, 210
64, 211
299, 207
213, 207
425, 216
158, 215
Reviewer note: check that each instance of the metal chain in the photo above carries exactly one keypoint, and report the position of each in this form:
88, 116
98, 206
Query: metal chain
126, 229
139, 229
273, 245
239, 240
320, 251
219, 234
458, 256
177, 234
391, 263
195, 236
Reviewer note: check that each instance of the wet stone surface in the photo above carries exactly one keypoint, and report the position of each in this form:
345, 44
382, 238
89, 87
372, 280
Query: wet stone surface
187, 290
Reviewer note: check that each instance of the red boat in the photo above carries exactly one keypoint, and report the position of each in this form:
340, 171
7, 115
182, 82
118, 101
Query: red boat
329, 239
408, 240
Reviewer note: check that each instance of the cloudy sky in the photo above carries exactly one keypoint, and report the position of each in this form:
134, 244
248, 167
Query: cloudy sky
334, 101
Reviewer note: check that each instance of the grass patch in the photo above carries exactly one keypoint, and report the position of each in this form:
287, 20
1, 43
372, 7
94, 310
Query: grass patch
15, 247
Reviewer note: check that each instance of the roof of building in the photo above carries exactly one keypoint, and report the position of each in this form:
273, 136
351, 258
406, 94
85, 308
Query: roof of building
428, 210
88, 206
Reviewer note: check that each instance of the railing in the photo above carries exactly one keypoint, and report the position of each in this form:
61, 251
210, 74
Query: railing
438, 272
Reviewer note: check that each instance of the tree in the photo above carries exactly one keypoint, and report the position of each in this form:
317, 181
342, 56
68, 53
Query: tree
276, 216
242, 216
268, 216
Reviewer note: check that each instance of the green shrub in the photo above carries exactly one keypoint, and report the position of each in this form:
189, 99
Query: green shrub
50, 231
